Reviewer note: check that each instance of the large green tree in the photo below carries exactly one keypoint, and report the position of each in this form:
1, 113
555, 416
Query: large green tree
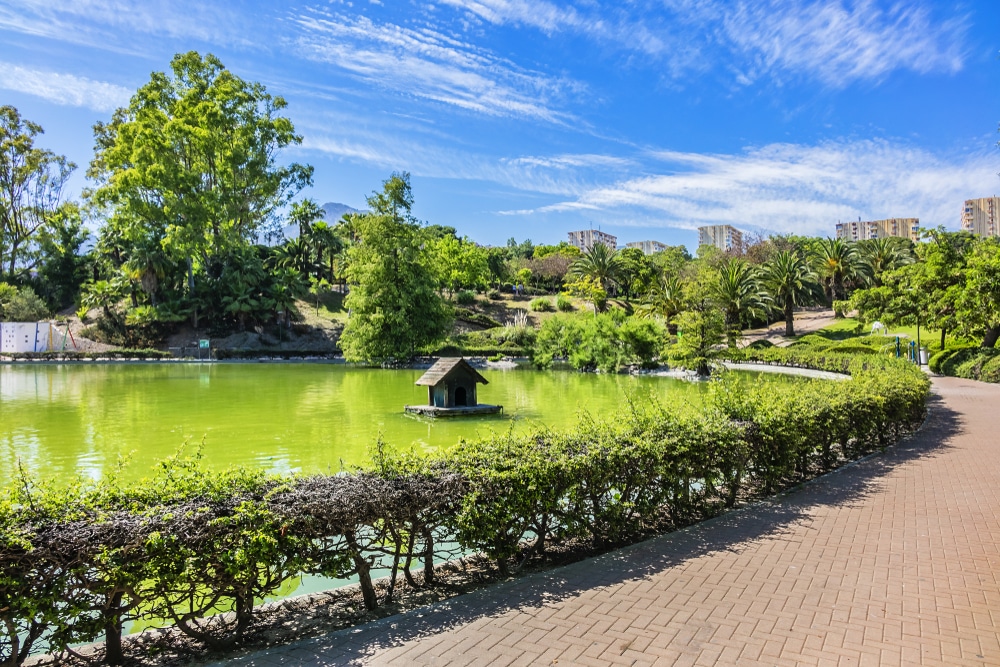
31, 185
191, 163
741, 294
394, 307
791, 283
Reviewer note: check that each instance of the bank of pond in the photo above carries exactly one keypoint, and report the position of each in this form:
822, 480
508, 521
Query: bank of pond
82, 557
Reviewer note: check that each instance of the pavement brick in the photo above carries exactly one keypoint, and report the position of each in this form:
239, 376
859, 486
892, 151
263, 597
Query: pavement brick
892, 561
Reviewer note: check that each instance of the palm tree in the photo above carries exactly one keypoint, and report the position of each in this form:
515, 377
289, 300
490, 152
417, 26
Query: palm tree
600, 263
838, 261
664, 299
791, 283
740, 294
884, 254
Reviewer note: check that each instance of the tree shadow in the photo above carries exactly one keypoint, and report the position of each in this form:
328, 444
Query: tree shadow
731, 532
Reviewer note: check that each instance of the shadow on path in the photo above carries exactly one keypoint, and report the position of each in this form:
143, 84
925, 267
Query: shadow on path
732, 532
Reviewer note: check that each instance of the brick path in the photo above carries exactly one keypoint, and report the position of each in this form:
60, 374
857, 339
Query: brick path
894, 561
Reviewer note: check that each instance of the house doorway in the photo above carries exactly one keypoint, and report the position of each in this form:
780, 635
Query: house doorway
461, 397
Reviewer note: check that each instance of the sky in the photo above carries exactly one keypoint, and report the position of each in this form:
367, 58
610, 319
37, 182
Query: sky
532, 118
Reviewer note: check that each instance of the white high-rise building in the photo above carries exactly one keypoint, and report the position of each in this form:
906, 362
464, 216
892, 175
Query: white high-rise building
588, 238
647, 247
723, 237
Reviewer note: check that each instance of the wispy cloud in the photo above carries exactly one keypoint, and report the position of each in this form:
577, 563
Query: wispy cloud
63, 89
115, 24
792, 188
842, 41
835, 41
430, 64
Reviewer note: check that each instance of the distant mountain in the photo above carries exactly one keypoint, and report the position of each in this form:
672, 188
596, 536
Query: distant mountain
332, 213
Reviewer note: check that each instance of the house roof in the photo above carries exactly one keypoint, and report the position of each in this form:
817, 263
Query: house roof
444, 367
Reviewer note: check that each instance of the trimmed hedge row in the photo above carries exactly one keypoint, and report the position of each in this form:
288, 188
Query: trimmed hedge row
973, 363
126, 353
188, 544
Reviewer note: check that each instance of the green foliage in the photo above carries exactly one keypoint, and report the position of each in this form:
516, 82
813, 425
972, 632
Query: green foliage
608, 342
564, 304
62, 267
394, 307
465, 298
31, 184
79, 558
21, 305
541, 305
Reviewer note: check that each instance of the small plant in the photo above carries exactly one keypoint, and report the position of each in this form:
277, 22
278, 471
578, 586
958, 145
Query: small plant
564, 304
495, 357
494, 294
541, 305
466, 297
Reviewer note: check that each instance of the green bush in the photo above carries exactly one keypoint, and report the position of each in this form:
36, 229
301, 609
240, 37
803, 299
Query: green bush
465, 298
494, 295
541, 305
607, 342
23, 306
78, 559
564, 304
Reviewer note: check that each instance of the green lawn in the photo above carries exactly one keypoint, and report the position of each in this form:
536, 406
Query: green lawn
929, 338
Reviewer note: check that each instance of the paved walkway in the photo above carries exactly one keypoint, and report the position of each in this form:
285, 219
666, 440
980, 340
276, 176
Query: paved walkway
894, 561
806, 321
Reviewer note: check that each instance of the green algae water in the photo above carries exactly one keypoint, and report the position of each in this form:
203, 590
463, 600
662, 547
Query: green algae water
78, 419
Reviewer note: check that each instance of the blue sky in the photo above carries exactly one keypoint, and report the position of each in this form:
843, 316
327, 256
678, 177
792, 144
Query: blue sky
530, 118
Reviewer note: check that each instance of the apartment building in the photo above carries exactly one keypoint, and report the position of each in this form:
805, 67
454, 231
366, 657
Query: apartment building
588, 238
982, 216
907, 228
647, 247
723, 237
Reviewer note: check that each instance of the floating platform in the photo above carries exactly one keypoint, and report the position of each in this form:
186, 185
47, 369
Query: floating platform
462, 411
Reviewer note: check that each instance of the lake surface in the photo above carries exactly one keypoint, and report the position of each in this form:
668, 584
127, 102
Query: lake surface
63, 420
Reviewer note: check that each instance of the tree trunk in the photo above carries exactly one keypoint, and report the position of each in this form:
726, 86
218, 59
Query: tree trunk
113, 630
943, 330
789, 319
992, 334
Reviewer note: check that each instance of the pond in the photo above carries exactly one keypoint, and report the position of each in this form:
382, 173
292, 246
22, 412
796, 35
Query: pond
78, 419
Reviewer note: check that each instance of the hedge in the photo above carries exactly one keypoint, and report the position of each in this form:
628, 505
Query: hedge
126, 353
78, 561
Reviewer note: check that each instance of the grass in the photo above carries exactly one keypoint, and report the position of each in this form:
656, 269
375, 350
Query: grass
845, 328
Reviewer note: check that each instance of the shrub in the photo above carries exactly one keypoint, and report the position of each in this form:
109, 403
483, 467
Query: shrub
607, 342
541, 305
494, 295
78, 559
466, 298
564, 304
24, 306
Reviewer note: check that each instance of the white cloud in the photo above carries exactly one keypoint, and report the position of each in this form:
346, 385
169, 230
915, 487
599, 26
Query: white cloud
64, 89
834, 41
115, 24
793, 188
429, 64
839, 41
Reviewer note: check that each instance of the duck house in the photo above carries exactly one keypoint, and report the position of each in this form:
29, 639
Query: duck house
451, 390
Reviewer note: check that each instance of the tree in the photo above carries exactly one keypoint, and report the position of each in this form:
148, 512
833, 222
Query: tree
191, 163
738, 290
31, 185
885, 254
62, 267
791, 283
600, 263
394, 307
635, 271
664, 299
979, 302
838, 261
